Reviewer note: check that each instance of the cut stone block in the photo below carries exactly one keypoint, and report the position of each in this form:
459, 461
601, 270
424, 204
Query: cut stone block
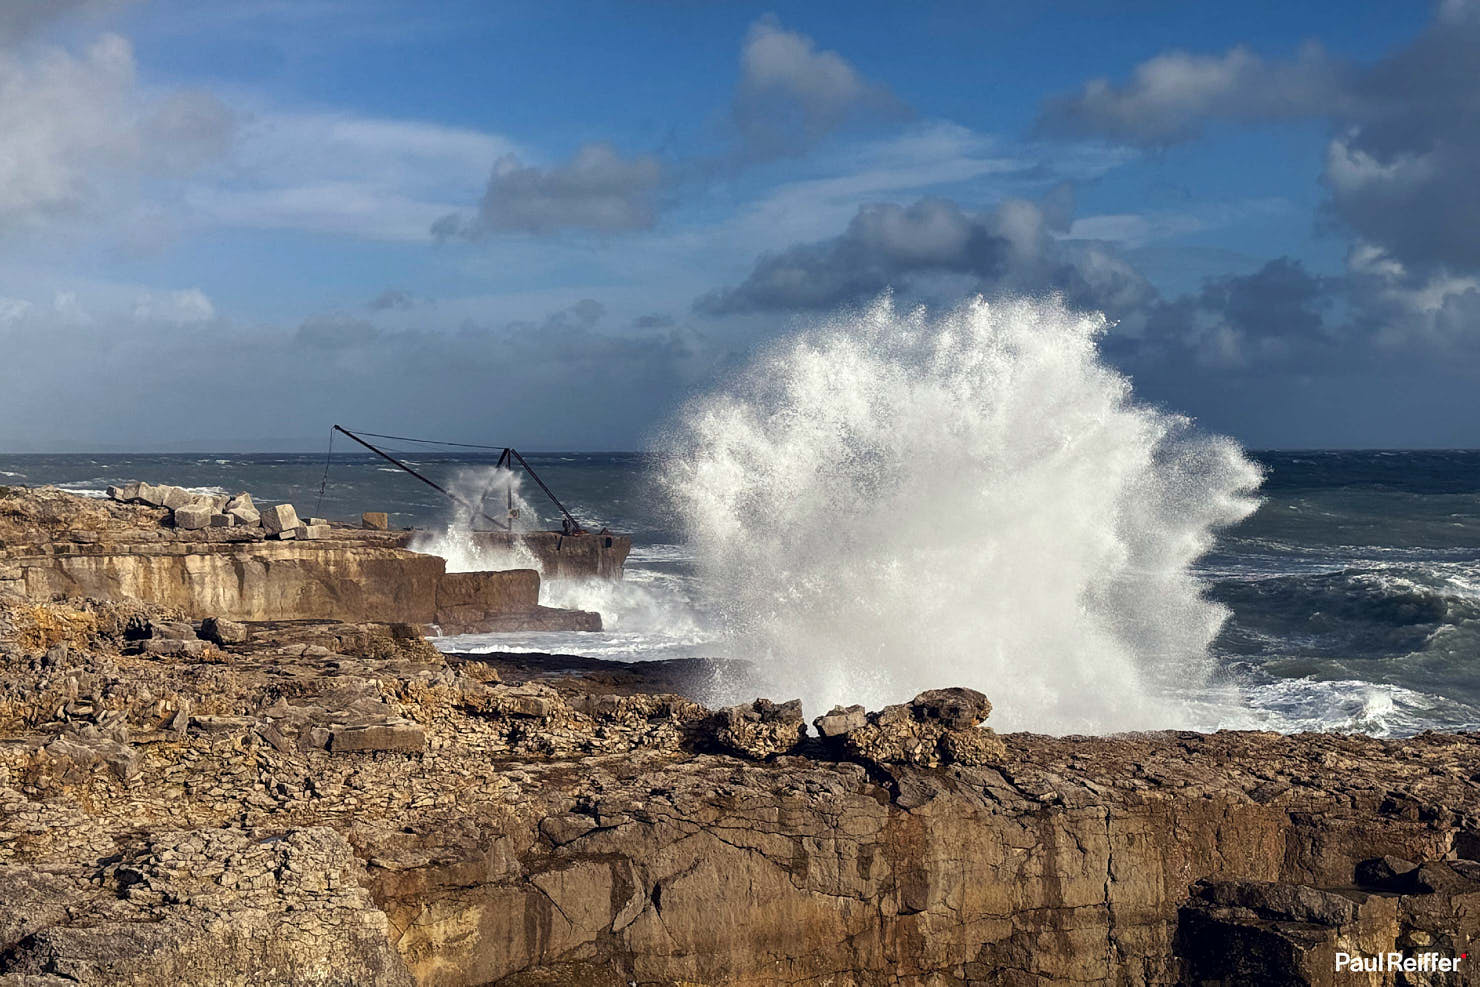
244, 516
193, 517
280, 518
176, 497
375, 520
222, 520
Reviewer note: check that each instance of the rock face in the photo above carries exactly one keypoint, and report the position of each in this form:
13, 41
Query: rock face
331, 802
334, 803
113, 551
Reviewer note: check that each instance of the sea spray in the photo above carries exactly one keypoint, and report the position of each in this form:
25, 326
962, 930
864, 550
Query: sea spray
497, 492
893, 502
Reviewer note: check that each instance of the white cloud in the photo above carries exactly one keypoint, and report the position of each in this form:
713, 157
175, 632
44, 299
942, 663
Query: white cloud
1169, 97
12, 310
80, 133
375, 178
791, 95
176, 308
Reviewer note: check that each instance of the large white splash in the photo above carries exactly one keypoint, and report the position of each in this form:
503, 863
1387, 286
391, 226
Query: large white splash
893, 502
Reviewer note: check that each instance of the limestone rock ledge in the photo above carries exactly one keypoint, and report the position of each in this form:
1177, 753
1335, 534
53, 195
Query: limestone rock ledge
326, 803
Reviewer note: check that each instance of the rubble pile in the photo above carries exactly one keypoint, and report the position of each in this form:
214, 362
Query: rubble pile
196, 511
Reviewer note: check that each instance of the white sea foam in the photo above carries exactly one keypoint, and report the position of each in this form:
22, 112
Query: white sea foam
494, 491
893, 502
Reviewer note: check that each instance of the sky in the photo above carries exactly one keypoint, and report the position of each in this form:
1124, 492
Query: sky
228, 225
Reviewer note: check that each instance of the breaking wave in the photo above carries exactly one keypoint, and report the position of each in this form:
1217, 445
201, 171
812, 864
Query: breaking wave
898, 501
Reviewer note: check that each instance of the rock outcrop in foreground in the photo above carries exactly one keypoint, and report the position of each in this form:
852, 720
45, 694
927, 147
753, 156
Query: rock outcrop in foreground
316, 802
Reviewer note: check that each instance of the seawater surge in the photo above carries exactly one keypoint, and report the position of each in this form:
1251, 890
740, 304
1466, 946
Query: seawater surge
893, 501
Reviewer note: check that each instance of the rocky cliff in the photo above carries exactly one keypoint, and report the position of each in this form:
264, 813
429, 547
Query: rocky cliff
330, 802
337, 803
54, 544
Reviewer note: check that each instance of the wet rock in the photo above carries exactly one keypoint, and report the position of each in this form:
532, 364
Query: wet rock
761, 729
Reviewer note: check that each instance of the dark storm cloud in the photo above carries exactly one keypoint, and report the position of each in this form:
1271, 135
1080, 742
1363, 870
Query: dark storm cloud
790, 95
598, 190
1401, 172
1400, 165
1012, 247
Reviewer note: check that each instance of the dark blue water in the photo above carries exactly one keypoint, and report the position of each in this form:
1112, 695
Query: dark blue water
1354, 590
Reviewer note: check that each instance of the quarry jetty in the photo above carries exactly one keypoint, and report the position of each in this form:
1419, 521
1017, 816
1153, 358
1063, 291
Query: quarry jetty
195, 796
228, 556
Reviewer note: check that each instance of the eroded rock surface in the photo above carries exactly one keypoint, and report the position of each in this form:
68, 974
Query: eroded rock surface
325, 802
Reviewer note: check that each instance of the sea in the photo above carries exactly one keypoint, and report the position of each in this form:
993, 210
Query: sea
1350, 597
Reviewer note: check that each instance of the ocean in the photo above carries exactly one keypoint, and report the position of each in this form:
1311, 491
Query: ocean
1352, 592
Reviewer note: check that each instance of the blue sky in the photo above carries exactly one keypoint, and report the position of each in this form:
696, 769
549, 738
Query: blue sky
229, 224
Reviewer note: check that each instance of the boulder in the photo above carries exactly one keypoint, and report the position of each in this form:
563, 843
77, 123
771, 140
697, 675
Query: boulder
125, 493
955, 709
936, 727
392, 735
762, 729
315, 522
839, 721
150, 494
375, 520
175, 647
313, 531
222, 521
243, 516
219, 630
193, 517
179, 629
280, 518
175, 497
242, 499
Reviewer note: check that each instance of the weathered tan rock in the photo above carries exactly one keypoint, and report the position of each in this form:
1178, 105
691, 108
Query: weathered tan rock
375, 520
193, 517
222, 631
840, 720
279, 518
556, 828
936, 727
761, 729
175, 497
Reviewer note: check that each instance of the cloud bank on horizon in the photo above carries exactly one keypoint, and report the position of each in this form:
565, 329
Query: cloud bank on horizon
224, 223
